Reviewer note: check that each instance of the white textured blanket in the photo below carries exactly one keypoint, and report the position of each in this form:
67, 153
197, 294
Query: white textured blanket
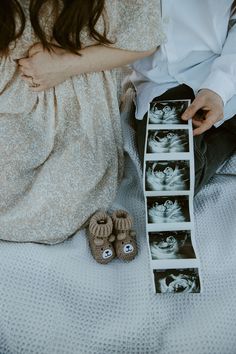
58, 300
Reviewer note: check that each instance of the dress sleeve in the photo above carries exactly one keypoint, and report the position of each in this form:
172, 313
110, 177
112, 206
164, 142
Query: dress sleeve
135, 24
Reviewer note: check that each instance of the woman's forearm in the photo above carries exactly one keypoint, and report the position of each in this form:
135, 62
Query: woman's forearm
43, 69
100, 58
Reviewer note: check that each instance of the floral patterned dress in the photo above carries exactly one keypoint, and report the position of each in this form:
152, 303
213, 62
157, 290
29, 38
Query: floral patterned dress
61, 149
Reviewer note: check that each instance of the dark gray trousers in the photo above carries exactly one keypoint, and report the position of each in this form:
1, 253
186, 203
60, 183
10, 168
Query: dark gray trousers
211, 148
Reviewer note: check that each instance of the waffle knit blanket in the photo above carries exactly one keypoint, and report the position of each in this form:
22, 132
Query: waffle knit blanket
58, 300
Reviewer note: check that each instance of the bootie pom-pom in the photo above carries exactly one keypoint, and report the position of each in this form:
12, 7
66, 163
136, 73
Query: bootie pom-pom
100, 225
122, 220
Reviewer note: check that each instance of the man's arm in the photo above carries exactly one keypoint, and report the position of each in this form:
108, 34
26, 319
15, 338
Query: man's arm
218, 88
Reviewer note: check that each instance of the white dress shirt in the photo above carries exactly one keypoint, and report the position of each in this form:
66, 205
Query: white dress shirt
199, 51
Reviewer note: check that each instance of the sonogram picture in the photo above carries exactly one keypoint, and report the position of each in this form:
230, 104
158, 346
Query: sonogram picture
167, 141
167, 175
168, 209
168, 181
171, 245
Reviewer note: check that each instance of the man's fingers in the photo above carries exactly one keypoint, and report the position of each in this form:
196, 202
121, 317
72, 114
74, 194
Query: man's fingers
197, 123
192, 109
206, 124
202, 129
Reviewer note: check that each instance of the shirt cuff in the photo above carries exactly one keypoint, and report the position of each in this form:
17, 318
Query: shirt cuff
219, 123
221, 83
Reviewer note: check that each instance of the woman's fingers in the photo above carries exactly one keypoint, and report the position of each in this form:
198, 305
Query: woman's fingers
46, 69
24, 62
38, 89
35, 85
26, 71
36, 48
28, 79
32, 83
25, 67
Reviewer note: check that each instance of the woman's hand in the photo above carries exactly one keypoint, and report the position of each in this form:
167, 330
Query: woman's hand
43, 69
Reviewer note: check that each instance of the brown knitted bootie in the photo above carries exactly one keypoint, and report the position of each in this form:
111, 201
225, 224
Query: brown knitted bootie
125, 243
101, 238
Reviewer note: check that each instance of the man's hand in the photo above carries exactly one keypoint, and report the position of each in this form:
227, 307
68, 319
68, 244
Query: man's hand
205, 111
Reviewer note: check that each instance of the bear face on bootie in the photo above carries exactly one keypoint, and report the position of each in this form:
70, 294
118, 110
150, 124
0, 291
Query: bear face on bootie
125, 238
100, 237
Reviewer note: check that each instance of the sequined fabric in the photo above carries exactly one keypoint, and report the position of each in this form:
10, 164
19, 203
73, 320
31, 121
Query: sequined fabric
61, 150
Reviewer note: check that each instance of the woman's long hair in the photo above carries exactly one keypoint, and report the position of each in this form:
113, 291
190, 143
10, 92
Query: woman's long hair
10, 10
233, 7
73, 18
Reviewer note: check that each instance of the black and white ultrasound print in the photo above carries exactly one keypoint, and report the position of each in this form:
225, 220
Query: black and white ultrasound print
168, 180
171, 245
168, 209
167, 112
171, 281
167, 175
167, 141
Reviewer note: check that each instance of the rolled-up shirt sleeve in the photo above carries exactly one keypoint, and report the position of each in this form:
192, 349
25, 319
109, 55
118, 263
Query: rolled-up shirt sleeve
222, 78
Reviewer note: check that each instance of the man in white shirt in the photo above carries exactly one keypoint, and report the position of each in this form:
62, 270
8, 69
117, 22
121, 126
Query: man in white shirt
198, 61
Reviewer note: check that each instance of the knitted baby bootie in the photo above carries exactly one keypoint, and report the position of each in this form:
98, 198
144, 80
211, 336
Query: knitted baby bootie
101, 238
125, 242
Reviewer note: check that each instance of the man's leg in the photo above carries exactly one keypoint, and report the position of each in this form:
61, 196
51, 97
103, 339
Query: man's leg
211, 148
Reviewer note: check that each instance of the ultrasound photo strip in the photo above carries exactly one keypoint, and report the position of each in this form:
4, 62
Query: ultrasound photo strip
168, 182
